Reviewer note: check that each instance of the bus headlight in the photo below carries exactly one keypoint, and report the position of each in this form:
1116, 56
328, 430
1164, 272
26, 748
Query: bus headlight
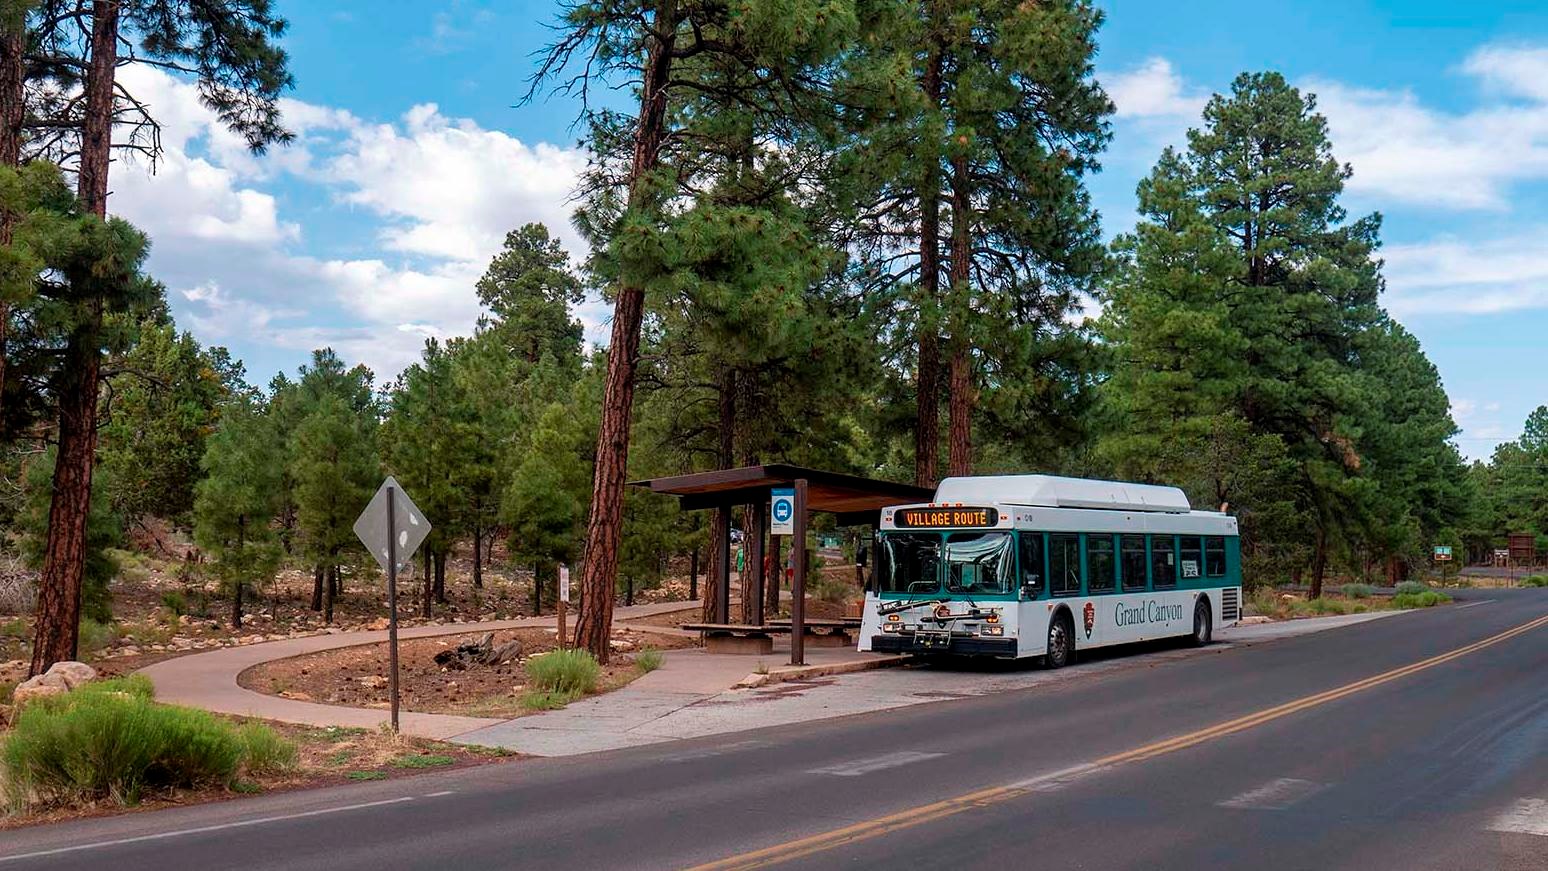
994, 630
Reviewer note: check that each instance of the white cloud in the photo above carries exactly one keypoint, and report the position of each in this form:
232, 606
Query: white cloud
438, 194
454, 189
1471, 277
1516, 70
1154, 89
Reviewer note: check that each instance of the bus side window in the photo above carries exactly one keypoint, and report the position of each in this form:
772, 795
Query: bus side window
1101, 568
1064, 564
1190, 555
1032, 565
1163, 561
1215, 556
1133, 562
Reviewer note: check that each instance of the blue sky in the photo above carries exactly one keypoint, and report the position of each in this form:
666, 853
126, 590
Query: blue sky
414, 156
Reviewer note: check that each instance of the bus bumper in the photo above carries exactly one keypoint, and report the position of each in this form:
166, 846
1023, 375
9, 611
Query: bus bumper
903, 642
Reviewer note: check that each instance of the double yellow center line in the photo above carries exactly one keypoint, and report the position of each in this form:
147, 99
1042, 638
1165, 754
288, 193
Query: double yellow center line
864, 831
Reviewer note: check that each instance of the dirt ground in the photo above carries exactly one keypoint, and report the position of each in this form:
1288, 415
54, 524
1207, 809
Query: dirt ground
356, 676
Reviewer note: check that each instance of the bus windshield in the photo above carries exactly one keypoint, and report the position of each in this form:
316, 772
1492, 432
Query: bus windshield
980, 563
909, 562
975, 563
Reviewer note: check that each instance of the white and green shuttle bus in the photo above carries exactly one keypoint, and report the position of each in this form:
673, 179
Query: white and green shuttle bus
1035, 565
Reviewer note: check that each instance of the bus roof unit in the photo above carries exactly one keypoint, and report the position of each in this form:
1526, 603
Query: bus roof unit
1052, 491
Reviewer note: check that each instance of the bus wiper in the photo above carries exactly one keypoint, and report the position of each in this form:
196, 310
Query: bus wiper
895, 607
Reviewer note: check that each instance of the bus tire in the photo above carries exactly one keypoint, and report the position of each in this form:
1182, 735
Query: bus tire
1061, 641
1203, 624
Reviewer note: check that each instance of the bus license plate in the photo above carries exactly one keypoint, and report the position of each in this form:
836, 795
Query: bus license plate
932, 640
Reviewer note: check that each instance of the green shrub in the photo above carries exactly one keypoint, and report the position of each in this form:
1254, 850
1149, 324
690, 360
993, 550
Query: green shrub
1426, 599
1357, 591
264, 751
175, 602
137, 685
422, 760
367, 775
1409, 587
1535, 581
648, 660
15, 628
572, 672
538, 700
96, 637
88, 746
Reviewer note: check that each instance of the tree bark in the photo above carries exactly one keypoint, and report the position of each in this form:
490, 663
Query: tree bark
317, 587
57, 626
333, 579
927, 377
960, 399
440, 577
775, 574
594, 621
478, 565
236, 594
428, 587
13, 113
1319, 559
693, 574
628, 590
724, 457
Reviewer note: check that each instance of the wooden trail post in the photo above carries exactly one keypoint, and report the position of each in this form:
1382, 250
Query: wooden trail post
798, 583
564, 599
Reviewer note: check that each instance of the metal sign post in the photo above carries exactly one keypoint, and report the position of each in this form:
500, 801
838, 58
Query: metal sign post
392, 545
564, 599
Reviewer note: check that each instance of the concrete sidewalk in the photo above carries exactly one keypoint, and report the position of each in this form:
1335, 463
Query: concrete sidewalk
689, 699
209, 680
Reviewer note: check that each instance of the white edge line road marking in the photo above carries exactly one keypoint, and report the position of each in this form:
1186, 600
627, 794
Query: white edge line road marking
1056, 780
97, 845
1276, 795
439, 794
875, 763
1475, 604
1529, 816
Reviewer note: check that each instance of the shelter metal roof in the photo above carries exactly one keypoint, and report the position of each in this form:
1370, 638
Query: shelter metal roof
832, 492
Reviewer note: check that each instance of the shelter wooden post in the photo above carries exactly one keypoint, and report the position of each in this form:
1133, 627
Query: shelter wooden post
757, 529
775, 578
722, 579
798, 583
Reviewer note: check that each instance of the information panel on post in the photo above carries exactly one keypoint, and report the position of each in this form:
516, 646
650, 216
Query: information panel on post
782, 511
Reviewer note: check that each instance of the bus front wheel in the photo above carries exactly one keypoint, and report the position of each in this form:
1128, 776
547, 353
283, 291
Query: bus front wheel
1203, 629
1061, 642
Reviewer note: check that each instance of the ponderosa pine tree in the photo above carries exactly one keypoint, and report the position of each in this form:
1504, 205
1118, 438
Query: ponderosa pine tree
645, 42
229, 47
333, 463
1245, 294
238, 498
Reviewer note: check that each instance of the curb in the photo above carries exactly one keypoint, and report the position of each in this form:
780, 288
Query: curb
800, 672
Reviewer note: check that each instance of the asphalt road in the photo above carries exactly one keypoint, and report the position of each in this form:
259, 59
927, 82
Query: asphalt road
1414, 742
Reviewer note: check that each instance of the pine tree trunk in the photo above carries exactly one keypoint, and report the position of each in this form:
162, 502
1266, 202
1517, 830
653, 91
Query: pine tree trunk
236, 594
724, 457
960, 399
628, 590
428, 588
594, 621
537, 589
927, 377
440, 577
317, 587
57, 624
333, 579
775, 573
13, 113
478, 564
693, 574
1319, 559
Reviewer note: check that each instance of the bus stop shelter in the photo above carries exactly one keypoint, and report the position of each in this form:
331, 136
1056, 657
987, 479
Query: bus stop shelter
854, 500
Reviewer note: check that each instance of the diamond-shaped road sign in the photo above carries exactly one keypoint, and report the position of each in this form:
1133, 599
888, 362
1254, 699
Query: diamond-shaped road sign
371, 526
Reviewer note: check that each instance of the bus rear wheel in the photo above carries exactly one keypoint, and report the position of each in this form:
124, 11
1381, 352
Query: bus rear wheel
1061, 642
1203, 624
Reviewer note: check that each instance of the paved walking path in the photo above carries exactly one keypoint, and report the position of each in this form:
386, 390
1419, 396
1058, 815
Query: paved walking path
209, 680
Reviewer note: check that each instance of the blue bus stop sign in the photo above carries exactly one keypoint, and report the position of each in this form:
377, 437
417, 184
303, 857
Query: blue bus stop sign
782, 510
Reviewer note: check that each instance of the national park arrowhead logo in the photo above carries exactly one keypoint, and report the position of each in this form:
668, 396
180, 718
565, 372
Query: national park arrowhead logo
1090, 617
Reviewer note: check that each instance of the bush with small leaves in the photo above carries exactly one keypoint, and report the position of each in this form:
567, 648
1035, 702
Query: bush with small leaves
571, 672
1409, 587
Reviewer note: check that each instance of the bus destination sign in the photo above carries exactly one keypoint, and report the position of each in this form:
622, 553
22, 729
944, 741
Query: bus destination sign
945, 518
